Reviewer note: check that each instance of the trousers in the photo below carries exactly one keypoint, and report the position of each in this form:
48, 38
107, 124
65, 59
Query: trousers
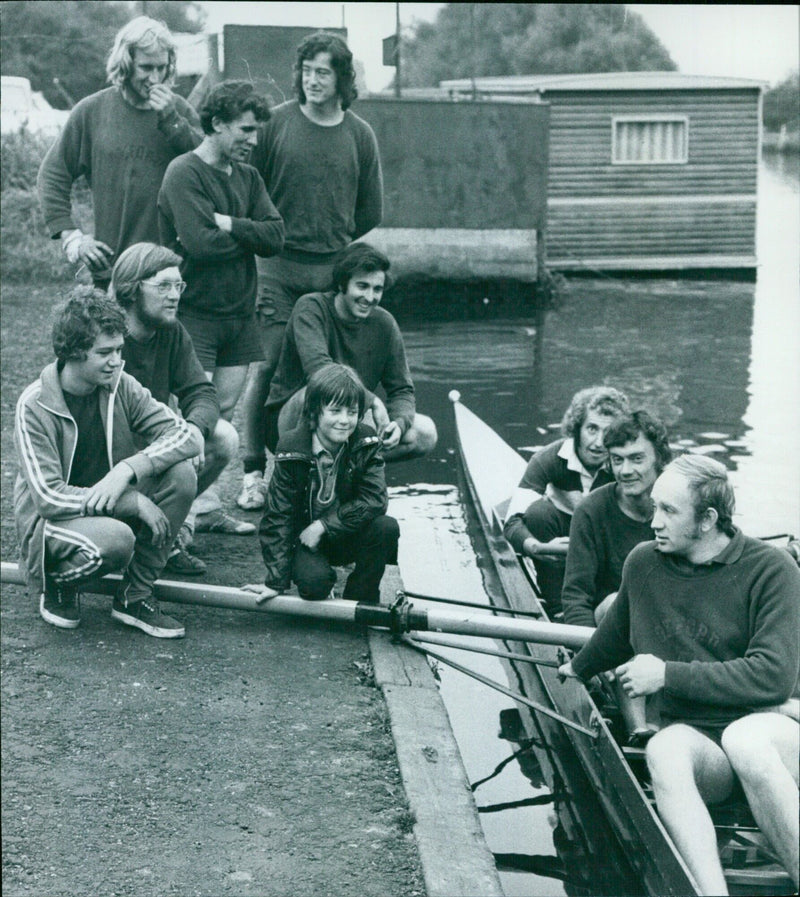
372, 548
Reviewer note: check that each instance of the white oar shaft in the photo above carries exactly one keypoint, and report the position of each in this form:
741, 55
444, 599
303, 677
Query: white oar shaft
544, 633
413, 618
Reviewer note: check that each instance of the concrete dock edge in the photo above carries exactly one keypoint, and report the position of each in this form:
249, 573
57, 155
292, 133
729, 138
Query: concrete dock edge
456, 861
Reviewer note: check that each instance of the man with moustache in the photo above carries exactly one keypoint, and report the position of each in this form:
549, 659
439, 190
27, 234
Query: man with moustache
556, 480
706, 619
321, 166
158, 352
121, 140
214, 211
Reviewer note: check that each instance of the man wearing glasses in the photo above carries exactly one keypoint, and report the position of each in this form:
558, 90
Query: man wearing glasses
321, 166
158, 352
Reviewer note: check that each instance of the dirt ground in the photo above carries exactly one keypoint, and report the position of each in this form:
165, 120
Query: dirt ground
253, 757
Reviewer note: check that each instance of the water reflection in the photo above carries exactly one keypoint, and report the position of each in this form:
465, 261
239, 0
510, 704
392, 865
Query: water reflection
716, 360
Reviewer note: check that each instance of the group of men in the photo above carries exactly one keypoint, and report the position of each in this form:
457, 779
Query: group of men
198, 258
696, 621
215, 278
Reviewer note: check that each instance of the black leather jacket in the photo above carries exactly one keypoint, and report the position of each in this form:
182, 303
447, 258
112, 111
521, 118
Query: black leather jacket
360, 490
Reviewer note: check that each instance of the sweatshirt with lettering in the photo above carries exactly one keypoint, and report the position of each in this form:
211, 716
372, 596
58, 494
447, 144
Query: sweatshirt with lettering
728, 630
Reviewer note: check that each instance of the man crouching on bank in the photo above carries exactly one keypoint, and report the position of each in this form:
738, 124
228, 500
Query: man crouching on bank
327, 499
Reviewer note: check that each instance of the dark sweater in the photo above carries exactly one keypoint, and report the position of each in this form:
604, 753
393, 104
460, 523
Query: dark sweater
325, 181
123, 153
728, 630
219, 268
168, 365
600, 538
316, 335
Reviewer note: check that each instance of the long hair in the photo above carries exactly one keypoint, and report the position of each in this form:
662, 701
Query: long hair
341, 63
603, 400
78, 320
333, 384
141, 33
710, 487
137, 263
627, 429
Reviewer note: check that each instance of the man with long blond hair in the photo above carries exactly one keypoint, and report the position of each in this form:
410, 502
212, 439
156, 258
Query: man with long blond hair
121, 139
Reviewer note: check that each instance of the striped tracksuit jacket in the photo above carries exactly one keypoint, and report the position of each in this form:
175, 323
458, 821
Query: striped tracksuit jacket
45, 435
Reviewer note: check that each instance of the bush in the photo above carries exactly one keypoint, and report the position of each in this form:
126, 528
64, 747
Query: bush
26, 249
22, 154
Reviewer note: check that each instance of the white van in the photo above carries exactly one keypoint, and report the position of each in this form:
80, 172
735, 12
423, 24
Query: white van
20, 106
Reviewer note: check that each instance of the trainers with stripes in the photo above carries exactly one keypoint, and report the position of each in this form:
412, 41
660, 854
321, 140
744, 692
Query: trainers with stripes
220, 522
60, 605
146, 615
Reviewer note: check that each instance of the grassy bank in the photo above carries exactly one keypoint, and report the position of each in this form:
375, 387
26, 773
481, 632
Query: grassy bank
26, 251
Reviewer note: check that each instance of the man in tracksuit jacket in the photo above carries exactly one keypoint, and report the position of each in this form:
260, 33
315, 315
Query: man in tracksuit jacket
86, 500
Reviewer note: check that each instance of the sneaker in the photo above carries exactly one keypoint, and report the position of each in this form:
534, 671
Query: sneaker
60, 605
146, 615
181, 563
220, 522
253, 496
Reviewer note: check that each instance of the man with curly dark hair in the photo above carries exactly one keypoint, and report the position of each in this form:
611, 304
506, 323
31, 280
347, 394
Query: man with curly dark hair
104, 476
557, 479
214, 211
321, 166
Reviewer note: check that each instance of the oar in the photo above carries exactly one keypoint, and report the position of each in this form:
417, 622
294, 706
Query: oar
491, 607
401, 617
477, 649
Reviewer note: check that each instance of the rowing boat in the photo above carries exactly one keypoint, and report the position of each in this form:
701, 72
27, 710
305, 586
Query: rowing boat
591, 725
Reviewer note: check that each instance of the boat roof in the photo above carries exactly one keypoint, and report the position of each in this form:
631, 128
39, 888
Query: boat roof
601, 81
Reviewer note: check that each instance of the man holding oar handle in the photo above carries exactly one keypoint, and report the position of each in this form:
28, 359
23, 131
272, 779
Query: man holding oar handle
706, 618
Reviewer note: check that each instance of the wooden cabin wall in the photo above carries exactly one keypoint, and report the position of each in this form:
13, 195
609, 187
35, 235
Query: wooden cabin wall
691, 214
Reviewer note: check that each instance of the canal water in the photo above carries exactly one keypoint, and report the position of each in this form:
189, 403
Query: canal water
717, 360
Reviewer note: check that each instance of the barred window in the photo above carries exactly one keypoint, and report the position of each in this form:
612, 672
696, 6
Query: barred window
650, 140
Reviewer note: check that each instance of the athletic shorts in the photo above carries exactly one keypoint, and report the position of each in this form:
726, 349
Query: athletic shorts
714, 733
224, 343
281, 282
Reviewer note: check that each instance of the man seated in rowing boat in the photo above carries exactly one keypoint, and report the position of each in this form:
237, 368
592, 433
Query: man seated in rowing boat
326, 501
557, 479
606, 526
613, 519
706, 618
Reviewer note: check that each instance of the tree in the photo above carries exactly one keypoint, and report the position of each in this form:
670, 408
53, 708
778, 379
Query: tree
530, 38
782, 105
71, 39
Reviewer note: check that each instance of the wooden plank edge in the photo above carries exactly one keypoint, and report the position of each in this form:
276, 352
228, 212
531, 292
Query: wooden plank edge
456, 860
